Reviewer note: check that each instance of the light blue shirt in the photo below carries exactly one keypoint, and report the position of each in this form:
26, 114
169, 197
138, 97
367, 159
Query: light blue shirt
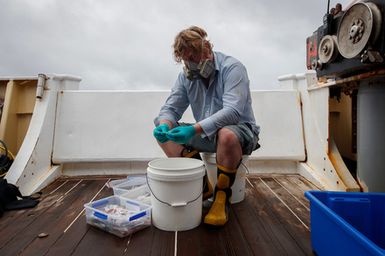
224, 102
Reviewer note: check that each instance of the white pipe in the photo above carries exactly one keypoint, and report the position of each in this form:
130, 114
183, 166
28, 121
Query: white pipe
40, 85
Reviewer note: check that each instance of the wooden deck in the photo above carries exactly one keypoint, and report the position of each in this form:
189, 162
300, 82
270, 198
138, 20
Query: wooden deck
272, 220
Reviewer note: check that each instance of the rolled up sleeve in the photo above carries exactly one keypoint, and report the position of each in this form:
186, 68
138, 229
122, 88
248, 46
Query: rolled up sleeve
175, 105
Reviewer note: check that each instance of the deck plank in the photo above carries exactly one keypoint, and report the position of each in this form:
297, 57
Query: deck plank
28, 216
302, 183
55, 219
55, 231
260, 225
98, 242
258, 232
299, 234
72, 235
10, 216
263, 228
294, 189
151, 241
200, 241
300, 210
204, 240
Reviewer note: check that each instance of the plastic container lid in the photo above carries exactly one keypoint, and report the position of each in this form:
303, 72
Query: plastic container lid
135, 180
124, 185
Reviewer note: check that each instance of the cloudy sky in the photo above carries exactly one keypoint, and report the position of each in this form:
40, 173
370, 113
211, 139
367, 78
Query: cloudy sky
121, 44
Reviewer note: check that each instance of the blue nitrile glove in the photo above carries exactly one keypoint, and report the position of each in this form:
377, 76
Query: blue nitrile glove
181, 134
160, 133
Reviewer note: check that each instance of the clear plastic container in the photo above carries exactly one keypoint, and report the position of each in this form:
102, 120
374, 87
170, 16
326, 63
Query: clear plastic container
118, 215
141, 194
124, 185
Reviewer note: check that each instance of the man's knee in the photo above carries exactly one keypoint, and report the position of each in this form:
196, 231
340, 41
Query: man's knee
227, 138
171, 149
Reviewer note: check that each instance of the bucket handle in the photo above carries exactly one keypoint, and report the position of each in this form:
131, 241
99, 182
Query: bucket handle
179, 204
247, 169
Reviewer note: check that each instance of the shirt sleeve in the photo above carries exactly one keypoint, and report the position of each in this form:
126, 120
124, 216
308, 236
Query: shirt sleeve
235, 97
176, 103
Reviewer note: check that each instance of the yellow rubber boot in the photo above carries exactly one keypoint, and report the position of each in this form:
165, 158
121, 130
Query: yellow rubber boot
218, 213
208, 189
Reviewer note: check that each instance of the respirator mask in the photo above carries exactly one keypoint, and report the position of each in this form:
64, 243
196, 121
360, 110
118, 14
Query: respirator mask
202, 69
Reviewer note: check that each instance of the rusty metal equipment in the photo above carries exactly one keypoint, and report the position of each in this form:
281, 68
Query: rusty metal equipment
352, 42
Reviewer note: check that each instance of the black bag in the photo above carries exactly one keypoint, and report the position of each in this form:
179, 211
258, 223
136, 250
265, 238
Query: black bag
9, 198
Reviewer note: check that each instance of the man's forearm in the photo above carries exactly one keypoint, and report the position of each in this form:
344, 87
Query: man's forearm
168, 122
198, 128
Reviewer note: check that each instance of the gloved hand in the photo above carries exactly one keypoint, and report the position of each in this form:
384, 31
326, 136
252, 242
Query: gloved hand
160, 133
181, 134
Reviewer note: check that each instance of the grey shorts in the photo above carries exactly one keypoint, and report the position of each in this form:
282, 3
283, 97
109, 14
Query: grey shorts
247, 138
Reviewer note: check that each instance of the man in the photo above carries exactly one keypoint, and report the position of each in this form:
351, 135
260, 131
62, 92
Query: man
216, 86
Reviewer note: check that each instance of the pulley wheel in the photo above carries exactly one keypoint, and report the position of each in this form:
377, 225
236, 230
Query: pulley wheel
377, 19
327, 50
360, 24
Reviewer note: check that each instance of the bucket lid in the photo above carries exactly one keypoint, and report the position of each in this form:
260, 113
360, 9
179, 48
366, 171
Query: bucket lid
175, 169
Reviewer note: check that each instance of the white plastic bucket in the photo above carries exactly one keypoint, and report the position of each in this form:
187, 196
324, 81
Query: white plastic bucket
239, 186
176, 192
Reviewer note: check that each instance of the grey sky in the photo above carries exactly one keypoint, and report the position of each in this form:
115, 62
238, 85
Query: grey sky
127, 44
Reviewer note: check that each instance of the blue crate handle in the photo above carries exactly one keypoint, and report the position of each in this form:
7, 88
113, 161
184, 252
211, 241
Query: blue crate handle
137, 216
100, 215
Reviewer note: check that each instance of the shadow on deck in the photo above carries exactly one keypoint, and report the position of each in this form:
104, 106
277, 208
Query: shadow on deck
272, 220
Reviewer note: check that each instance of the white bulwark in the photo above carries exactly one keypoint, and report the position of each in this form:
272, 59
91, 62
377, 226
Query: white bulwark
86, 132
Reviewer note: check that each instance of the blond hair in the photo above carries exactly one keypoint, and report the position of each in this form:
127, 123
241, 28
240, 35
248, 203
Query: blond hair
191, 39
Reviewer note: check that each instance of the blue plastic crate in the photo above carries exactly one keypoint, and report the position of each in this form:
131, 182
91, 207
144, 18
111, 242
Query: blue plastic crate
346, 223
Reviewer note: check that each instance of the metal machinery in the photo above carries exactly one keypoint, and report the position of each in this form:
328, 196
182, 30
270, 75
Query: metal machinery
348, 53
